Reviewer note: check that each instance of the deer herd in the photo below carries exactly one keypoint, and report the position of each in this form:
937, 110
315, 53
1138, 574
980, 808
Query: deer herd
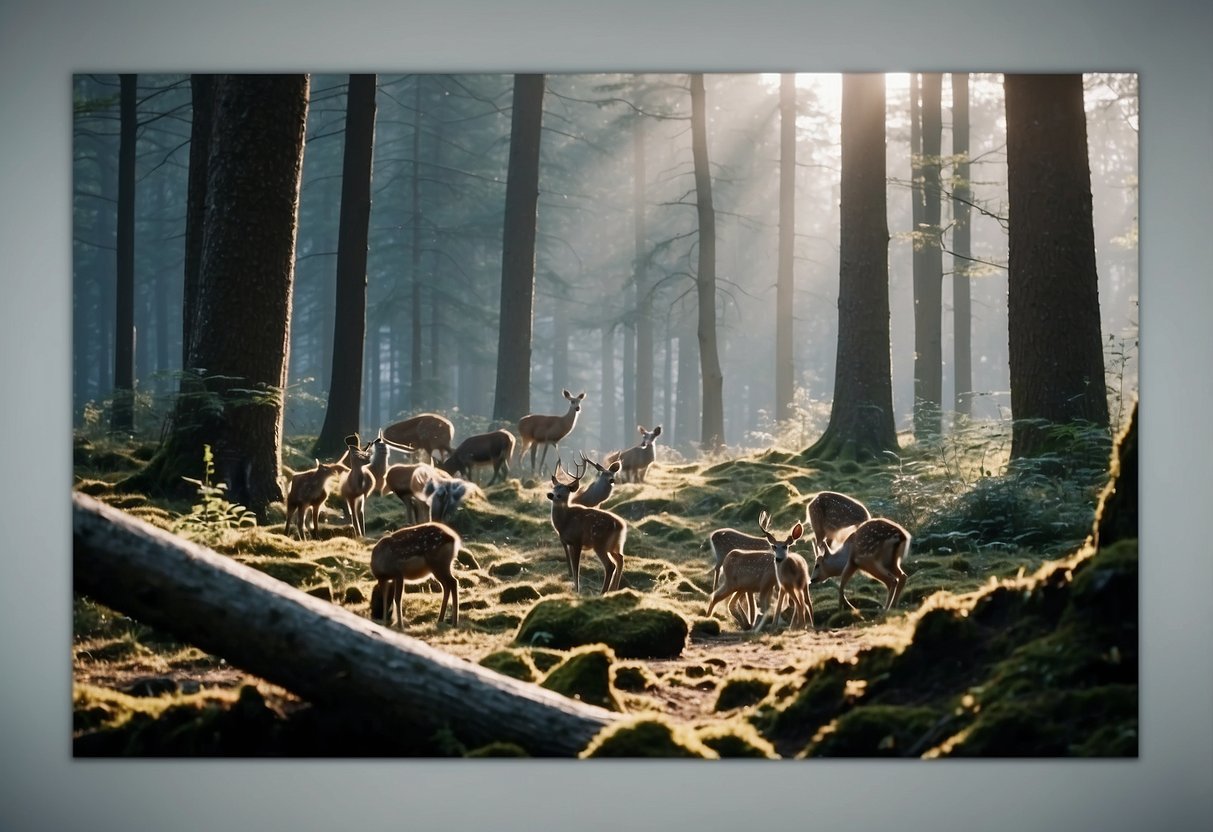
758, 575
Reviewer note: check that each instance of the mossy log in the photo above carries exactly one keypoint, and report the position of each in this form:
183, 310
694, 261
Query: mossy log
327, 655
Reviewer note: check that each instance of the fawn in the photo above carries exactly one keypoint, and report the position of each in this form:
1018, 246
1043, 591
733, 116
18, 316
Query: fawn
830, 512
357, 487
413, 554
636, 460
308, 491
877, 547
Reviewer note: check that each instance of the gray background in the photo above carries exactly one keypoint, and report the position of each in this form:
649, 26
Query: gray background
43, 43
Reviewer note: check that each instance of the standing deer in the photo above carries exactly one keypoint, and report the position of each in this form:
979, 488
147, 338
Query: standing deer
413, 554
494, 448
578, 527
636, 460
791, 575
357, 487
597, 492
877, 547
726, 540
427, 432
381, 449
830, 512
428, 493
536, 429
767, 568
308, 491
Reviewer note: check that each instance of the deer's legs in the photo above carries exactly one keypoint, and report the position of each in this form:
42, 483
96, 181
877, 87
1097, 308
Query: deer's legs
847, 572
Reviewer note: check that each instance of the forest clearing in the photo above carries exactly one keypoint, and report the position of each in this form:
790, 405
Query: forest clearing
524, 345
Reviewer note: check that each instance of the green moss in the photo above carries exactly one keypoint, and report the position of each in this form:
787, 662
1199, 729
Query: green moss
819, 699
297, 573
875, 731
619, 620
737, 740
507, 569
742, 691
518, 594
647, 737
511, 663
634, 678
545, 660
705, 627
586, 676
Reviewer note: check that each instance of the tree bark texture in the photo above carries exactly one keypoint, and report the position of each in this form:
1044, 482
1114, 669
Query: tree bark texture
123, 413
341, 417
318, 650
512, 399
861, 420
231, 398
785, 284
1056, 351
928, 277
712, 421
202, 88
962, 195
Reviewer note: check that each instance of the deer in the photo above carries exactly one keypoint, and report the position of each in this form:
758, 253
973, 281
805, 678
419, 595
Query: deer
635, 461
427, 432
829, 513
415, 553
381, 450
877, 547
308, 492
597, 492
767, 569
494, 448
537, 429
428, 493
579, 526
357, 487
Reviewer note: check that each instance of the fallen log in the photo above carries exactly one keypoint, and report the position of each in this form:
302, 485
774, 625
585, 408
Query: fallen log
319, 651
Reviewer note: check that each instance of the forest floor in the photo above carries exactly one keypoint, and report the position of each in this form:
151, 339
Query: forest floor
721, 678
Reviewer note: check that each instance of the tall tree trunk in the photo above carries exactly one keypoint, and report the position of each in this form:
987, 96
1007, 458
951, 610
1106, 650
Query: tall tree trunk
610, 412
416, 383
644, 290
237, 364
629, 375
341, 418
560, 353
1056, 355
785, 284
962, 315
928, 276
512, 399
712, 432
861, 420
123, 414
687, 417
667, 387
202, 89
160, 292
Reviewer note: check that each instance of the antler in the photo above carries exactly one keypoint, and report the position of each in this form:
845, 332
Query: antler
763, 520
586, 460
569, 478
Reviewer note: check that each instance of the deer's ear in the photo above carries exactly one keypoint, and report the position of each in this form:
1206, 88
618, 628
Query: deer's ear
580, 396
568, 395
797, 531
615, 466
657, 431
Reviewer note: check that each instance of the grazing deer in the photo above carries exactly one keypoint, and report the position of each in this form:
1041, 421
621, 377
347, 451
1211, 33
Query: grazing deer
744, 575
494, 448
357, 487
308, 492
536, 429
427, 432
415, 553
830, 512
877, 547
767, 569
636, 460
428, 493
578, 527
597, 492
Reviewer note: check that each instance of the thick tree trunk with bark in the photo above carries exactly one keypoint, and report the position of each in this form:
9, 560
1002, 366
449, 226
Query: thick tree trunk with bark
123, 413
712, 424
231, 398
202, 88
325, 654
861, 420
341, 418
962, 314
1056, 351
512, 399
785, 284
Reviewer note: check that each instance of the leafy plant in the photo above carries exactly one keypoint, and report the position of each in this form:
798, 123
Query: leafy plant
213, 510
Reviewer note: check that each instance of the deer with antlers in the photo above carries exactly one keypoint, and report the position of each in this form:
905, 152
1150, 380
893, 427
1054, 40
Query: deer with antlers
597, 492
877, 547
415, 553
308, 492
494, 448
635, 461
536, 429
426, 432
829, 513
579, 526
771, 570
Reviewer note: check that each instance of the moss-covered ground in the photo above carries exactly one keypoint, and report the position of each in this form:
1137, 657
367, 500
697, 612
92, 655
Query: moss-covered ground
1011, 638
